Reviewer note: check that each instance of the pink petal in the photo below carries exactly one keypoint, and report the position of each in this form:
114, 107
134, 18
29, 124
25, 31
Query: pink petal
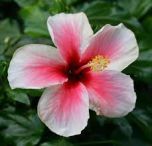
111, 93
68, 31
36, 66
65, 108
115, 42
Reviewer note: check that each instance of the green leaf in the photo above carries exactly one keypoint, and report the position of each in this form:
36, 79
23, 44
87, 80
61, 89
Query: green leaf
124, 126
24, 3
141, 69
101, 13
18, 96
134, 142
23, 130
137, 8
147, 23
142, 117
3, 66
46, 144
100, 8
35, 21
143, 120
9, 34
58, 6
145, 56
61, 142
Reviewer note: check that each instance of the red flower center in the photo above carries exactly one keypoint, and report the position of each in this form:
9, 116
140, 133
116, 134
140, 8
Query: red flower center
77, 72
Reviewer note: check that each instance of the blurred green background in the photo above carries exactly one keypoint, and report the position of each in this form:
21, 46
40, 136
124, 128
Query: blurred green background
24, 22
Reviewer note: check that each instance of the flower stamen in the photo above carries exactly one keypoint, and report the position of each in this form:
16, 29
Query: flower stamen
98, 63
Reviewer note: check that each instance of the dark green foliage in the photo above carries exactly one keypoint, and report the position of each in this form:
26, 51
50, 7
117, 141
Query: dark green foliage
23, 22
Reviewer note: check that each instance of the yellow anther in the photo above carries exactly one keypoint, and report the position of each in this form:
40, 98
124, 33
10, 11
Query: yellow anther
98, 63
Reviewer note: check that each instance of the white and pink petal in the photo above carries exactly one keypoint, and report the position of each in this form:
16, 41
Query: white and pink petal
68, 31
65, 108
117, 43
111, 93
36, 66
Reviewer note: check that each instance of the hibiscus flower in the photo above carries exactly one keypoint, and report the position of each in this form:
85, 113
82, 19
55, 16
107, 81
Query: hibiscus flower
83, 73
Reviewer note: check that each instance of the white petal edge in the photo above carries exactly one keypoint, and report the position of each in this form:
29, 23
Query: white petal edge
76, 20
130, 54
26, 57
118, 43
75, 123
111, 93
